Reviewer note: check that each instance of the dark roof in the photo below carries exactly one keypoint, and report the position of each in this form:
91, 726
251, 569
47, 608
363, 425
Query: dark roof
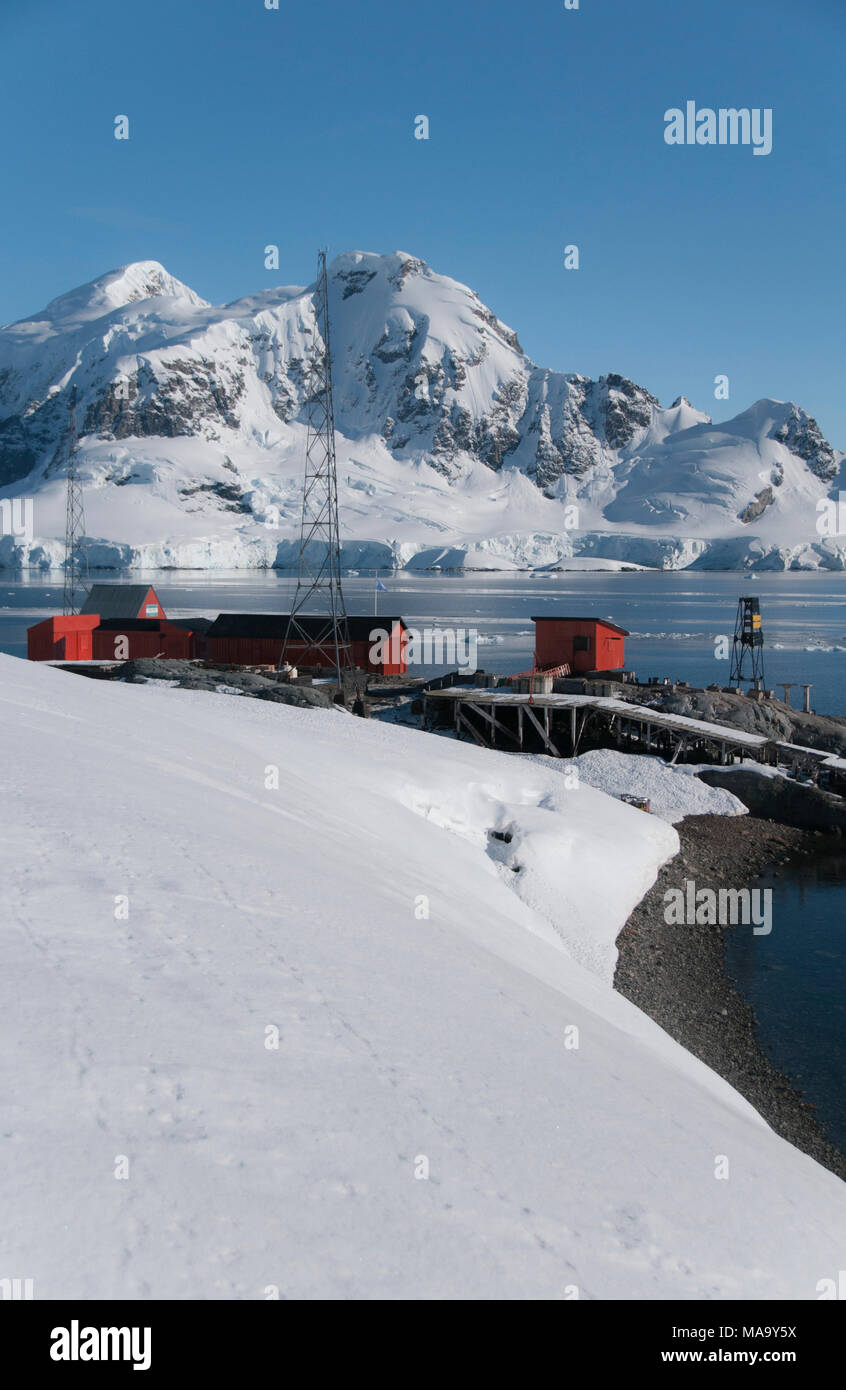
131, 625
275, 625
199, 625
554, 618
115, 600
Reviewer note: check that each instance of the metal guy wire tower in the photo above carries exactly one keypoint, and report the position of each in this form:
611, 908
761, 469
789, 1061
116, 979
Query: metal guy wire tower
74, 521
748, 637
319, 594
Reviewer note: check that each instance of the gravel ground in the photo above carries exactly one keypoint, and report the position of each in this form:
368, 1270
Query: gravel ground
677, 974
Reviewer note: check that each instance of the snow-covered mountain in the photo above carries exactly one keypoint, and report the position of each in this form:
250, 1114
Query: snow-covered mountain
454, 448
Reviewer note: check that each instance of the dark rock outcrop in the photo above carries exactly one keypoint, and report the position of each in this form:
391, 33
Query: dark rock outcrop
781, 799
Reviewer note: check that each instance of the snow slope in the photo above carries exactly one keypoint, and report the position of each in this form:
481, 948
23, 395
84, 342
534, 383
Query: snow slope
402, 1038
673, 792
454, 448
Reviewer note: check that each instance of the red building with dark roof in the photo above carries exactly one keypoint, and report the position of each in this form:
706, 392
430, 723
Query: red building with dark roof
255, 639
122, 622
118, 622
123, 601
583, 644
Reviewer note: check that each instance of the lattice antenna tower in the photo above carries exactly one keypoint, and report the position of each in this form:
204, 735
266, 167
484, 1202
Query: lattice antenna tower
747, 651
319, 593
74, 521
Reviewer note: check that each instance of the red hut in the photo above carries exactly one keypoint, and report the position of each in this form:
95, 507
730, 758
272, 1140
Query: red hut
585, 644
62, 639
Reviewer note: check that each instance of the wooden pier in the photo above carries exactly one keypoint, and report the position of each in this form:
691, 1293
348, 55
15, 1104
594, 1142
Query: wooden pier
563, 726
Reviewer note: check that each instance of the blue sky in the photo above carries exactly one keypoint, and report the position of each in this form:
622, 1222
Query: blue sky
295, 127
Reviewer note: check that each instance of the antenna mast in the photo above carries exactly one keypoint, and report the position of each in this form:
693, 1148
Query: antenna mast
74, 520
748, 638
319, 595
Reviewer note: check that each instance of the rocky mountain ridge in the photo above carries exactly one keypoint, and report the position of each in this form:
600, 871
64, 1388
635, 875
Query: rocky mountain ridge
454, 448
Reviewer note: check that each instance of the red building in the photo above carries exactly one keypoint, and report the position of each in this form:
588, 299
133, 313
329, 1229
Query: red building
122, 622
255, 639
585, 644
62, 639
126, 639
84, 637
118, 622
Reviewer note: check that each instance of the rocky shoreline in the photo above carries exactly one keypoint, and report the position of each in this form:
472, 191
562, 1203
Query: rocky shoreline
677, 975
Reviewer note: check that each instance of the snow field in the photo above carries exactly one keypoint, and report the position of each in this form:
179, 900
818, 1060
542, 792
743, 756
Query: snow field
423, 996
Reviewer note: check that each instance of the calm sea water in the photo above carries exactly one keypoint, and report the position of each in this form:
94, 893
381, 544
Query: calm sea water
796, 977
673, 618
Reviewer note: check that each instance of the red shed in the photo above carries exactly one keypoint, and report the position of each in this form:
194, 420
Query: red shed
255, 639
62, 639
585, 644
